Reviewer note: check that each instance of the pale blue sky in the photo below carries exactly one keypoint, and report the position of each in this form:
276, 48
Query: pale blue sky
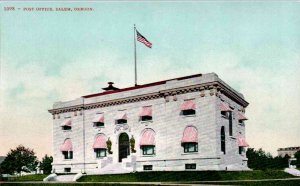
53, 56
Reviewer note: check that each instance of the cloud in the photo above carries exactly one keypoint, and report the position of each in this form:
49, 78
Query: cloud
27, 93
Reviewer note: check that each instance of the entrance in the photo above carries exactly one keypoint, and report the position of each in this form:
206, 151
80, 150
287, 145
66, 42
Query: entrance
124, 150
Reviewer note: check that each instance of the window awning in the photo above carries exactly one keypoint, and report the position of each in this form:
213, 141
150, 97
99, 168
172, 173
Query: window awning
188, 105
242, 142
147, 111
99, 118
100, 142
148, 138
190, 135
66, 122
224, 107
67, 146
241, 116
122, 115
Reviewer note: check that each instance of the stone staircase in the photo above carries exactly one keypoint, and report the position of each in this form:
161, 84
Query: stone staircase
61, 178
65, 178
105, 166
292, 171
115, 168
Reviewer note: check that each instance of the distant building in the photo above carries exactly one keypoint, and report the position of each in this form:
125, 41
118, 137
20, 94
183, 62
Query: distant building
290, 151
188, 123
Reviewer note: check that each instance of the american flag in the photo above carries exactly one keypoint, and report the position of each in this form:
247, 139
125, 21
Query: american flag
142, 39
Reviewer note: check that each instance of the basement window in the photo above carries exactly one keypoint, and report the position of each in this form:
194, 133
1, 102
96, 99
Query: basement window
148, 167
190, 166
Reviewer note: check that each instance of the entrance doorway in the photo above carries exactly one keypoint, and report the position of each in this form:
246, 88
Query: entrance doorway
124, 149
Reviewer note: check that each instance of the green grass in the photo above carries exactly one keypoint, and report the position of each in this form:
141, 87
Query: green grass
34, 177
252, 183
259, 183
187, 176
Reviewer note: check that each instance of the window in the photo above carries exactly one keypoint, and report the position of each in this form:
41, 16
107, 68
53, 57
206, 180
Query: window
188, 108
190, 147
121, 121
241, 122
148, 167
148, 150
146, 113
225, 114
223, 147
121, 118
100, 153
67, 169
241, 150
146, 118
66, 127
98, 124
190, 166
230, 123
188, 112
68, 155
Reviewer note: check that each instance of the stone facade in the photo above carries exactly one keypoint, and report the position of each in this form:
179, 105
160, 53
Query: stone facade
207, 92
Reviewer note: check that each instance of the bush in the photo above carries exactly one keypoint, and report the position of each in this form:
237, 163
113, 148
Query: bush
260, 160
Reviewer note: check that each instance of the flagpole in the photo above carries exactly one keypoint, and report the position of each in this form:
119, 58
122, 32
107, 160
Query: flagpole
135, 71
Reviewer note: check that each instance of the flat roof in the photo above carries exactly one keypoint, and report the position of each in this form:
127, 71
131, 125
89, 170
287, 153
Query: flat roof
141, 86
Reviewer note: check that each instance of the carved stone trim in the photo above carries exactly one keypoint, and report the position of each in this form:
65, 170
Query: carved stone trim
215, 88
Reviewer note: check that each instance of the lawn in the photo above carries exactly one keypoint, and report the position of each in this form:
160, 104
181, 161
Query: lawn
187, 176
34, 177
196, 177
252, 183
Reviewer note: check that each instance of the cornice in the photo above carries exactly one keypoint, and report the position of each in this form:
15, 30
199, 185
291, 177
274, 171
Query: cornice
215, 88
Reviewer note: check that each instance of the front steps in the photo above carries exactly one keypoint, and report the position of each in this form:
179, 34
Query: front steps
292, 171
65, 178
115, 168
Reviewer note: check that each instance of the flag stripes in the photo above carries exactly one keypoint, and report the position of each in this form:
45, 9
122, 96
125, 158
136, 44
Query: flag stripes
142, 39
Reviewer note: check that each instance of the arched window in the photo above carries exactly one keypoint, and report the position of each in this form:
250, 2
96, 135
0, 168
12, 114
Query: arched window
67, 149
190, 139
147, 142
100, 146
223, 145
226, 112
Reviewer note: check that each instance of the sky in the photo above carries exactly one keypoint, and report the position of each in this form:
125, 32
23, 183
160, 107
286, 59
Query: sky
54, 56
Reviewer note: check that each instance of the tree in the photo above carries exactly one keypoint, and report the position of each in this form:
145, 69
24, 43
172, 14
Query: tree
45, 164
19, 159
297, 156
259, 159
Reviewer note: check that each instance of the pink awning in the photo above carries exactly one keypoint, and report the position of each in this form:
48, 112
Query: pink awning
190, 134
67, 146
122, 115
67, 122
242, 142
100, 142
147, 111
241, 116
148, 138
188, 105
224, 107
99, 118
